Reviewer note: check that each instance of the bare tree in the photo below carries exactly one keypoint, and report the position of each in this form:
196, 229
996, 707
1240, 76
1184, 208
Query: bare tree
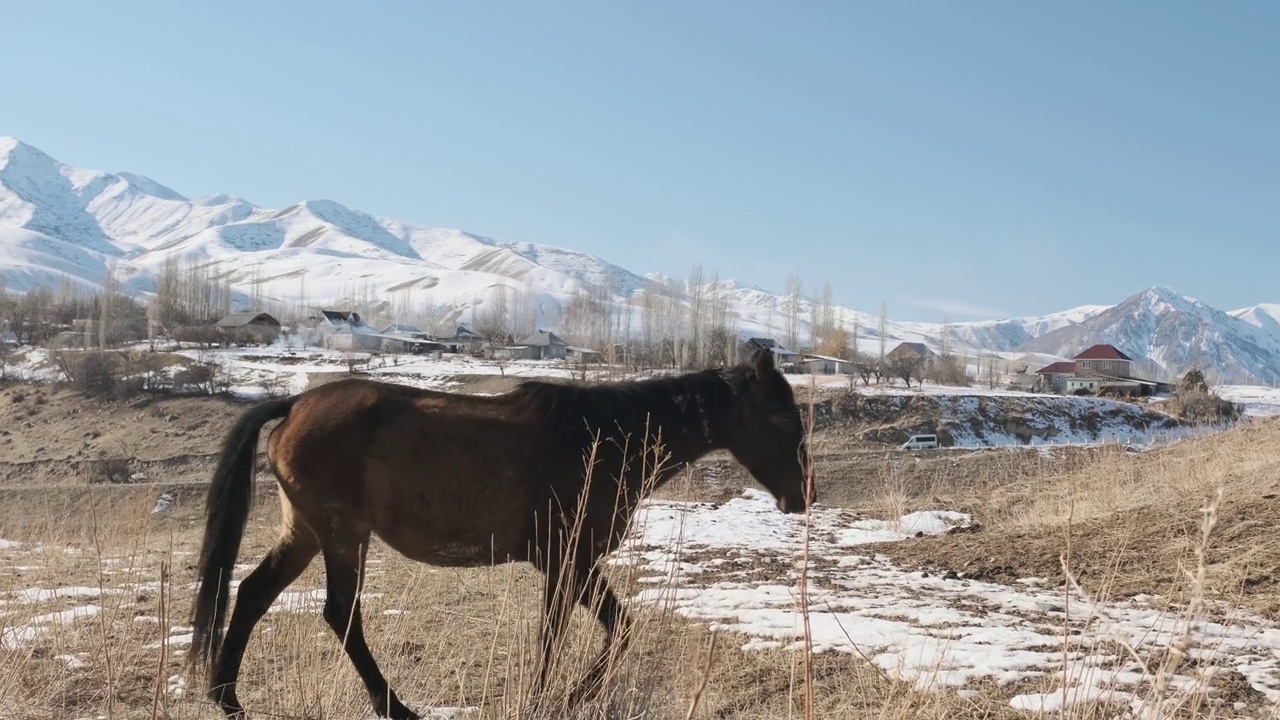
824, 321
908, 366
853, 337
524, 311
794, 296
696, 289
106, 311
491, 319
866, 367
883, 330
948, 369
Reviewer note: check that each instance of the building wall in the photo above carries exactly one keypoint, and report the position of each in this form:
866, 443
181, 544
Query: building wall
826, 367
1076, 383
1117, 368
352, 341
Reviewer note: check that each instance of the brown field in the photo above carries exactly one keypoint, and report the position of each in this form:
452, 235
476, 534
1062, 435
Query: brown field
1123, 523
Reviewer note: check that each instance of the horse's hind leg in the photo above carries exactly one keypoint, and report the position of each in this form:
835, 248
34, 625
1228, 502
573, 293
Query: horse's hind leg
344, 567
281, 566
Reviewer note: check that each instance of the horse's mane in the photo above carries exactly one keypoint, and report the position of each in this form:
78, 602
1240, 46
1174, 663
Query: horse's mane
632, 400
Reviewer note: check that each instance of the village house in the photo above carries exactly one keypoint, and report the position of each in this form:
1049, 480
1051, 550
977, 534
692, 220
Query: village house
1056, 375
244, 328
912, 349
825, 365
461, 339
583, 355
401, 329
1104, 360
403, 343
1026, 382
339, 321
345, 330
1099, 369
542, 345
783, 357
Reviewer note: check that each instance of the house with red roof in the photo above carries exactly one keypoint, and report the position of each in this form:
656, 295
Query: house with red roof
1105, 361
1098, 368
1056, 375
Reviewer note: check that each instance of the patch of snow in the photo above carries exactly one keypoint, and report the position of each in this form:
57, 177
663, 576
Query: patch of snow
40, 595
927, 630
1257, 400
179, 640
73, 662
33, 629
177, 685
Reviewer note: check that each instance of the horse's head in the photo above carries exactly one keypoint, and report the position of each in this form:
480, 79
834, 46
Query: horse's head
764, 432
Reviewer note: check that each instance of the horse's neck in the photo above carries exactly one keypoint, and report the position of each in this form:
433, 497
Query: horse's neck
680, 429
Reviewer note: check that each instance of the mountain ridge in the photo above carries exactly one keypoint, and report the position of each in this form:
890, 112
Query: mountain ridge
58, 220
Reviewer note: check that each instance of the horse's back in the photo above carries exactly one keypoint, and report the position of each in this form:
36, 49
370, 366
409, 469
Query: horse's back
444, 478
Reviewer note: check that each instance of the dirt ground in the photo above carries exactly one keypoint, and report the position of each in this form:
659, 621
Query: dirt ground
1127, 523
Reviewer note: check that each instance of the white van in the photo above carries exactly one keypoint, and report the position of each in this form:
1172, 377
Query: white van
919, 442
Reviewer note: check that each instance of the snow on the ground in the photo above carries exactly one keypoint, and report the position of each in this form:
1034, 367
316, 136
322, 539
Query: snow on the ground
827, 382
1258, 400
734, 565
34, 628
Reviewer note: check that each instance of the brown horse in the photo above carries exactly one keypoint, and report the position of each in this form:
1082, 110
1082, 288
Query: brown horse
466, 481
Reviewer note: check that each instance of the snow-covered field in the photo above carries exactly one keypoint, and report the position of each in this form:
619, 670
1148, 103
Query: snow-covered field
735, 566
1258, 401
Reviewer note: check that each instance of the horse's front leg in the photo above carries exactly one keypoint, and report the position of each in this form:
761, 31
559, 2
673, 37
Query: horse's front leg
599, 598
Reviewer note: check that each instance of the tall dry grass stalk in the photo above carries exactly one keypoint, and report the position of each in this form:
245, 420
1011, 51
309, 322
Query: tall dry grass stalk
803, 579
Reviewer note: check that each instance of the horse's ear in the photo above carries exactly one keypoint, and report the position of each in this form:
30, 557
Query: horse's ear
764, 363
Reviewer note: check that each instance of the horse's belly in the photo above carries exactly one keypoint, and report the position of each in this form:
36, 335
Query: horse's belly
452, 550
457, 554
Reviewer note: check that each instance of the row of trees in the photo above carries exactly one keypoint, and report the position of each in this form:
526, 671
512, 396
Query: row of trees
103, 318
677, 323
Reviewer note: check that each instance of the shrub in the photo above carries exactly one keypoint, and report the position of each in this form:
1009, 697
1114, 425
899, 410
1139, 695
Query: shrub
113, 470
92, 372
1200, 407
205, 377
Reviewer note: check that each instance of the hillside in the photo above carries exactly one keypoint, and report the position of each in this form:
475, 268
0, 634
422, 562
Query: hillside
59, 222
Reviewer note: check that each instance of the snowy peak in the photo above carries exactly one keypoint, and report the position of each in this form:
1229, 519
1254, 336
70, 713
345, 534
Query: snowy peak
1161, 300
1265, 316
1172, 333
150, 187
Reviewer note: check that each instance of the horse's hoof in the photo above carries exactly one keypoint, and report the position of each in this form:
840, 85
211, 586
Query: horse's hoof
396, 710
230, 704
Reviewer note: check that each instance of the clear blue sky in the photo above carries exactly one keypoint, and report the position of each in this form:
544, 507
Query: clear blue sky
978, 159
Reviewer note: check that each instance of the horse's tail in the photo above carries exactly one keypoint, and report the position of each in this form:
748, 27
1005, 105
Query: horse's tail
227, 506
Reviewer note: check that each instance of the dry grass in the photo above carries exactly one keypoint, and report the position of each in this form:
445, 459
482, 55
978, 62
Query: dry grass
455, 638
1134, 517
1110, 523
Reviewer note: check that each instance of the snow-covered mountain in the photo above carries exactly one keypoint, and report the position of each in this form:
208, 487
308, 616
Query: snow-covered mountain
1265, 316
56, 220
59, 221
1172, 333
